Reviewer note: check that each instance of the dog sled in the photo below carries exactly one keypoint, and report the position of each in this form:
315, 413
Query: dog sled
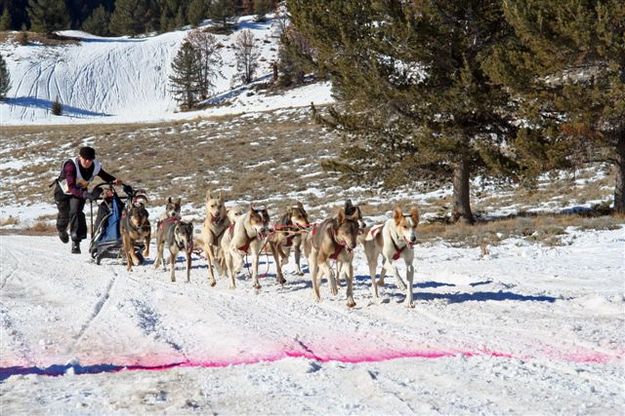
106, 238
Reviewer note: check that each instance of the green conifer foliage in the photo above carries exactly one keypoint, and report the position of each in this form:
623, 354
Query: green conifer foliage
5, 20
569, 68
134, 17
414, 100
47, 16
5, 79
196, 12
185, 81
98, 22
56, 108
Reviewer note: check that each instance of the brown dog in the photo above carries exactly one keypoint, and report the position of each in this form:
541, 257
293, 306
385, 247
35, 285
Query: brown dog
288, 233
333, 239
135, 227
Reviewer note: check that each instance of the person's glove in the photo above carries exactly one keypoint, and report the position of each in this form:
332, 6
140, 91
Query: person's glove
93, 195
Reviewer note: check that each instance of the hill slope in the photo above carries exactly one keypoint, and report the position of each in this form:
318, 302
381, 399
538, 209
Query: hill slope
126, 79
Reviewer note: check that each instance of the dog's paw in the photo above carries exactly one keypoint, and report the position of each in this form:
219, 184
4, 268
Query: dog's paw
410, 305
213, 283
351, 303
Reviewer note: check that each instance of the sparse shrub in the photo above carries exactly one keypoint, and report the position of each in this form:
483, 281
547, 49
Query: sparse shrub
41, 227
22, 38
10, 220
247, 55
57, 107
5, 79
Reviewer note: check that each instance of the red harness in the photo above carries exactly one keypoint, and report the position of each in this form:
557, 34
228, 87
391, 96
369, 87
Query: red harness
244, 248
167, 221
339, 247
398, 250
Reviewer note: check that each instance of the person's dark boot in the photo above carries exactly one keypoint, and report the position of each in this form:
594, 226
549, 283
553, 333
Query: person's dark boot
64, 236
75, 247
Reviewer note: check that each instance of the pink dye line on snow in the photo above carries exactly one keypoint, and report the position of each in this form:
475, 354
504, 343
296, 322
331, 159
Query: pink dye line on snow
349, 359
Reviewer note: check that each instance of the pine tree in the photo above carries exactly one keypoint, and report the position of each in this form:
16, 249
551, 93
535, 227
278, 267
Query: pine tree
5, 79
261, 8
133, 17
185, 79
569, 68
208, 59
196, 12
47, 16
98, 22
295, 57
56, 108
5, 20
169, 9
247, 54
221, 11
414, 101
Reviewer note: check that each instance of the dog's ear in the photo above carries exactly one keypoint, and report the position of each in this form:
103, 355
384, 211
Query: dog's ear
179, 201
169, 201
414, 214
398, 215
300, 205
208, 194
221, 195
341, 216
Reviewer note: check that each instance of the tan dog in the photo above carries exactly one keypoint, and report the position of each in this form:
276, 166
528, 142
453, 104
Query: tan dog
288, 233
247, 234
135, 226
215, 225
333, 239
393, 240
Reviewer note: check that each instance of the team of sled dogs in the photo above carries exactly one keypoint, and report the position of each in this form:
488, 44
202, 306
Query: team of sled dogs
230, 234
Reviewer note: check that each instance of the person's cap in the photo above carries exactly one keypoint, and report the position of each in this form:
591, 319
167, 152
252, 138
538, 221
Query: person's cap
87, 152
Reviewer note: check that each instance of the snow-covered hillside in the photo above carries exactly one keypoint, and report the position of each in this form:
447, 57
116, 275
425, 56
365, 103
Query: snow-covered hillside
107, 80
525, 329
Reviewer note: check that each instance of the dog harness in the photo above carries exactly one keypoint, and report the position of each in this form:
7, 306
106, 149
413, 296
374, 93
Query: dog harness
398, 250
245, 247
167, 221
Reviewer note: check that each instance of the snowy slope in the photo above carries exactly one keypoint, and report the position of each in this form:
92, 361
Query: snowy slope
106, 80
526, 329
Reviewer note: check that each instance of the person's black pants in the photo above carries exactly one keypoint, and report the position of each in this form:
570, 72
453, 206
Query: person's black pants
70, 213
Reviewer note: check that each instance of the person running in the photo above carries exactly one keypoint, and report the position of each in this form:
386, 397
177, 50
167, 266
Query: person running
71, 192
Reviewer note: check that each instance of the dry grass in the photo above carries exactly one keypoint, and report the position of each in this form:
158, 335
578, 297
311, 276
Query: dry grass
546, 229
271, 158
37, 38
10, 220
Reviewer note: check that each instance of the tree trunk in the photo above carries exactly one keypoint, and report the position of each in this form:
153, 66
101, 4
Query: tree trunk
619, 188
462, 197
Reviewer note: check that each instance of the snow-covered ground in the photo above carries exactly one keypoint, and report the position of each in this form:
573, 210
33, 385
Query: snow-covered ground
526, 329
121, 80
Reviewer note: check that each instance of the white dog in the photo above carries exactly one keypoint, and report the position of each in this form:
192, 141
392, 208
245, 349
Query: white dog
248, 234
394, 240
